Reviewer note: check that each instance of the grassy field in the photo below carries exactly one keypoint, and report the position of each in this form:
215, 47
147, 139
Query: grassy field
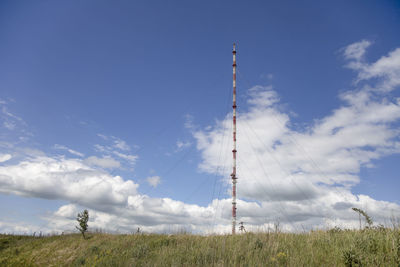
317, 248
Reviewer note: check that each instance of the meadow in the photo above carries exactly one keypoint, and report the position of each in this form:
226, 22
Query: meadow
335, 247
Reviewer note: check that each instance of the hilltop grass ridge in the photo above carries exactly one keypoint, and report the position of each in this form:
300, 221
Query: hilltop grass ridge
335, 247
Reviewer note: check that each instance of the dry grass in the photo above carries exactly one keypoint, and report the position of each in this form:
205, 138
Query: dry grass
370, 247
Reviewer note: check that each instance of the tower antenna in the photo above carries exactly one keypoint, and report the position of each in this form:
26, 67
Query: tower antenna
234, 178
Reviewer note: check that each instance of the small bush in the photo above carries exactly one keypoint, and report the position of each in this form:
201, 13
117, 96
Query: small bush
258, 244
351, 258
83, 219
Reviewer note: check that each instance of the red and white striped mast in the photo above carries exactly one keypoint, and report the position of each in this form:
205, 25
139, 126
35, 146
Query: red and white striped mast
234, 178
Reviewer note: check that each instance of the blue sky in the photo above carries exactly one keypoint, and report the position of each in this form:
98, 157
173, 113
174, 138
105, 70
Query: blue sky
130, 101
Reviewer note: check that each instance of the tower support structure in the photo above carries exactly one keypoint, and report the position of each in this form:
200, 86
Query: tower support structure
234, 151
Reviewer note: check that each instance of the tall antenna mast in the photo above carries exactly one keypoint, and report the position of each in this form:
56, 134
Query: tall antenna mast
234, 178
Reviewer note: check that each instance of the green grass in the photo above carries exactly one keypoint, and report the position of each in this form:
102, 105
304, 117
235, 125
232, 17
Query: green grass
378, 247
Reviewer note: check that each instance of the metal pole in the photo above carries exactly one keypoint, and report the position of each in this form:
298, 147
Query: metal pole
234, 178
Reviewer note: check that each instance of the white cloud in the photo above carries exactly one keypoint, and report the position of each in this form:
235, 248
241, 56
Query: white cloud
189, 122
12, 227
122, 145
10, 120
276, 161
106, 162
16, 128
71, 151
114, 147
100, 148
302, 176
154, 181
302, 179
180, 145
262, 96
131, 158
114, 203
67, 179
386, 69
155, 215
104, 137
357, 50
10, 115
9, 125
5, 157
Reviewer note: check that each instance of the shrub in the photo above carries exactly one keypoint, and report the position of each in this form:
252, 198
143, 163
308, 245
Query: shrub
350, 258
83, 219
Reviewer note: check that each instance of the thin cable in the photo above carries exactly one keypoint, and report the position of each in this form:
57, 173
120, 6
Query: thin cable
173, 167
283, 211
265, 173
297, 144
315, 165
306, 197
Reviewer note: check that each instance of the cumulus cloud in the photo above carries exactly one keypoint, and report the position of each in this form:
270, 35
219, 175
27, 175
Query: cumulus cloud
110, 198
66, 179
151, 215
105, 162
300, 178
12, 227
306, 176
154, 181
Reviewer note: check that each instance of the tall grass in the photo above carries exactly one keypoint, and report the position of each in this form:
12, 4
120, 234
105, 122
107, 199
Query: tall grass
369, 247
